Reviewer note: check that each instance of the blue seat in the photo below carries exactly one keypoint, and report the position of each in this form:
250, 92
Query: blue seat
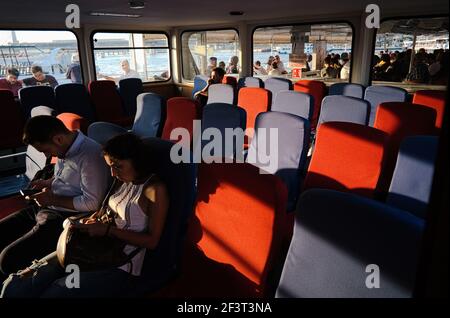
339, 242
250, 82
74, 98
292, 102
222, 116
376, 95
345, 109
200, 82
129, 89
162, 263
347, 89
290, 149
275, 85
412, 181
33, 96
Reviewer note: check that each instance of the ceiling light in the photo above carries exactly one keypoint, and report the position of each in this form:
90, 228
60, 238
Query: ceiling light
137, 4
109, 14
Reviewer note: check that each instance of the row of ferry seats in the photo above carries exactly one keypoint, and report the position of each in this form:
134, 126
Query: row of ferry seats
337, 235
148, 121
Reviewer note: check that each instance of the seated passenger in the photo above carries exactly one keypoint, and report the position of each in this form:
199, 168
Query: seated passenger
139, 201
258, 69
127, 72
212, 65
275, 71
217, 75
419, 73
80, 181
233, 67
11, 82
74, 70
39, 78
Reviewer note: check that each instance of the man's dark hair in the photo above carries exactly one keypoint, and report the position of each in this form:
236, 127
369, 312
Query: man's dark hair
13, 71
213, 58
35, 69
130, 147
219, 71
41, 129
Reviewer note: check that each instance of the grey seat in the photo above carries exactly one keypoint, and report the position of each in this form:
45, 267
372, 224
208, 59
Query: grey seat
413, 175
376, 95
347, 89
250, 82
345, 109
221, 93
276, 85
292, 102
341, 241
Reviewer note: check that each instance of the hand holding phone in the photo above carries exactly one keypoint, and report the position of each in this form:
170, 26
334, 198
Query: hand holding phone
28, 192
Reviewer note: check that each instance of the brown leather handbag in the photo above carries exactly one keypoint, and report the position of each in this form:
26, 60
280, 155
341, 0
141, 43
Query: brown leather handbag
93, 253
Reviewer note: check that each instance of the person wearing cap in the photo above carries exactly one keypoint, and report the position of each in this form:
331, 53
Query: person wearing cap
11, 81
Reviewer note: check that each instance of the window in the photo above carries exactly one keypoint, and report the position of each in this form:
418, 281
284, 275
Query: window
56, 52
317, 51
204, 50
126, 55
412, 52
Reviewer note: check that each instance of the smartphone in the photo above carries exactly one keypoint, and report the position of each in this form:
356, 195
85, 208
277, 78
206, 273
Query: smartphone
27, 192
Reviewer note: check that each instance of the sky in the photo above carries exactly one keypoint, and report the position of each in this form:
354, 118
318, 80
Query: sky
35, 36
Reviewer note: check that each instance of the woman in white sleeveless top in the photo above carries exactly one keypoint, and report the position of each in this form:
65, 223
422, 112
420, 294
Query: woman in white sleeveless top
141, 202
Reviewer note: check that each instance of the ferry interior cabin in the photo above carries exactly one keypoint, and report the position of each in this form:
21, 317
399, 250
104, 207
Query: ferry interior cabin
303, 146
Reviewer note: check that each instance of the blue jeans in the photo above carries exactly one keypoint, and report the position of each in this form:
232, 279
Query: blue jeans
50, 281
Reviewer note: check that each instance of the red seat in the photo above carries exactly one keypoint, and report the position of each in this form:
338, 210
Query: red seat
11, 121
74, 122
399, 120
254, 100
316, 89
181, 112
235, 237
108, 103
435, 100
230, 80
347, 157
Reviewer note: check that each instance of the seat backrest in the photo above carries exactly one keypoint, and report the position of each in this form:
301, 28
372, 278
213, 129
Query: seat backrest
275, 85
11, 121
413, 175
250, 82
435, 100
342, 240
343, 108
163, 261
33, 96
129, 89
102, 131
292, 102
181, 112
347, 157
74, 98
230, 80
376, 95
221, 93
347, 89
317, 90
200, 82
254, 100
222, 116
248, 239
150, 115
106, 100
43, 110
74, 122
287, 153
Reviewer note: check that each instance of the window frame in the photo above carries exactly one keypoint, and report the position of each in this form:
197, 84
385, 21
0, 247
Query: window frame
202, 30
374, 43
91, 39
308, 23
56, 29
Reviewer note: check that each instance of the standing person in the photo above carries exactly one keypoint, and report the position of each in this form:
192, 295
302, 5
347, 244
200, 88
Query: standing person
39, 78
139, 201
78, 185
74, 70
233, 67
212, 65
11, 81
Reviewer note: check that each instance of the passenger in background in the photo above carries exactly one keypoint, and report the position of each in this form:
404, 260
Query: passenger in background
258, 69
222, 65
79, 183
233, 67
217, 75
212, 65
269, 64
275, 69
74, 70
39, 78
11, 81
419, 73
280, 64
139, 201
127, 72
345, 69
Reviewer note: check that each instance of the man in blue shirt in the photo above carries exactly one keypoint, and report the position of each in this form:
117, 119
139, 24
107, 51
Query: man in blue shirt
79, 184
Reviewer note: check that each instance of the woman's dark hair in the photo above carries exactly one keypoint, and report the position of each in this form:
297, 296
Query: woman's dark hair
130, 147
